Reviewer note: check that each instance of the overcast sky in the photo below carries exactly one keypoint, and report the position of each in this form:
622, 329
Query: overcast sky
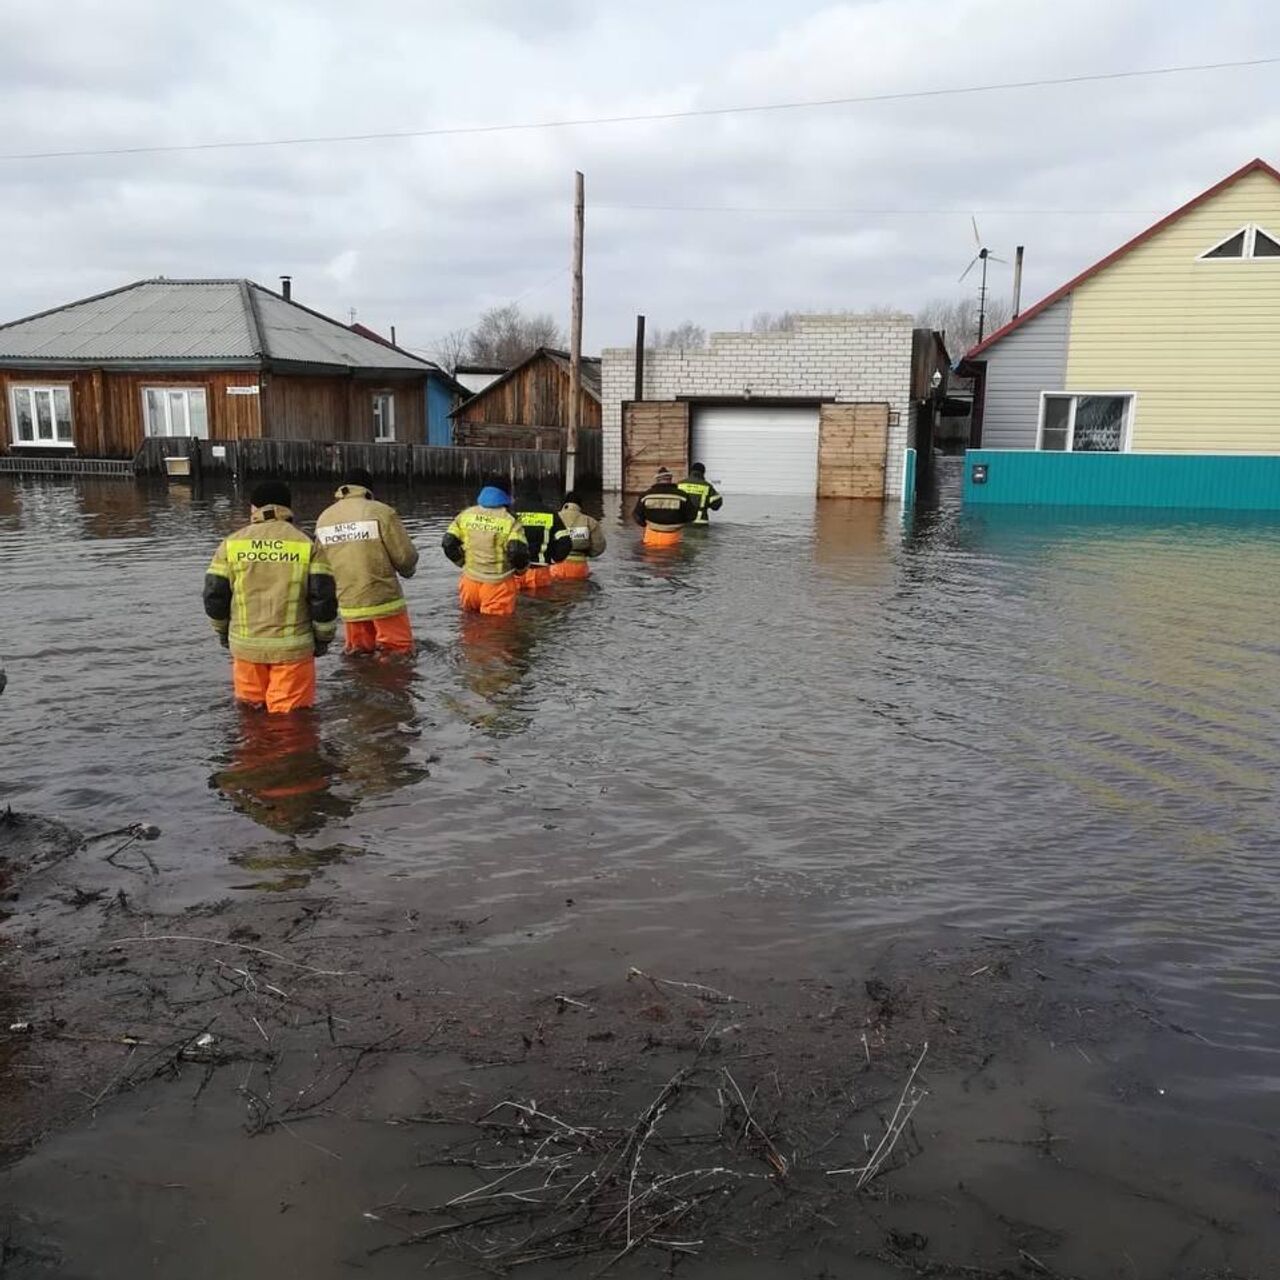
427, 233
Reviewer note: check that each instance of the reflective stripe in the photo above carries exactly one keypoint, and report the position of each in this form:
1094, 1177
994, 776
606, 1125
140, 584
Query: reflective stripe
365, 612
295, 596
219, 572
275, 642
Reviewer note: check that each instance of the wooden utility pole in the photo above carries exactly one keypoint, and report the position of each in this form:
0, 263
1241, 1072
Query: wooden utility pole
575, 340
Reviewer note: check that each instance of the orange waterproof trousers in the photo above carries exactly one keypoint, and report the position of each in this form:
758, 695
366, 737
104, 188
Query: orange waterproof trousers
278, 686
535, 577
391, 634
571, 571
661, 538
492, 598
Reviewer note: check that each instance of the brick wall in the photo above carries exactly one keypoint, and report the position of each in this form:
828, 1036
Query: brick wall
850, 358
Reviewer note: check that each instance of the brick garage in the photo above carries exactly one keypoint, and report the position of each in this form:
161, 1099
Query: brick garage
823, 360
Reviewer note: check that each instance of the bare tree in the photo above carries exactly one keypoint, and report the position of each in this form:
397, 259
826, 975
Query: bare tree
773, 322
957, 320
685, 335
505, 335
449, 350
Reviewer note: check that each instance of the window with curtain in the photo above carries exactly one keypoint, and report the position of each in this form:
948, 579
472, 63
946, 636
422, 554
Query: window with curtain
1084, 423
176, 411
40, 416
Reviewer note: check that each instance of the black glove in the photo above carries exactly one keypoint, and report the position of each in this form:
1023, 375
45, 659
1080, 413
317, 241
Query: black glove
224, 639
322, 646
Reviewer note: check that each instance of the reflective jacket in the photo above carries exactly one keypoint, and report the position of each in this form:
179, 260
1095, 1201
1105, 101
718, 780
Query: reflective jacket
367, 546
704, 494
586, 537
270, 590
545, 533
664, 508
488, 543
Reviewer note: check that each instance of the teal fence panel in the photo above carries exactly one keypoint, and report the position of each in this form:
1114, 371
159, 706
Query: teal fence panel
1196, 481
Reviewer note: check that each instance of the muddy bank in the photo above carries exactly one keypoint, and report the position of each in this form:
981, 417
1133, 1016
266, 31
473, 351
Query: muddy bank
318, 1082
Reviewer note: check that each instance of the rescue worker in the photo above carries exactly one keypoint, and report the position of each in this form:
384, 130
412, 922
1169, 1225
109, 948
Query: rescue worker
586, 540
367, 546
664, 511
487, 543
702, 491
546, 535
270, 595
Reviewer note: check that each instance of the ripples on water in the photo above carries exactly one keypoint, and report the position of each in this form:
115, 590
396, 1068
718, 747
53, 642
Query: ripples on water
1063, 722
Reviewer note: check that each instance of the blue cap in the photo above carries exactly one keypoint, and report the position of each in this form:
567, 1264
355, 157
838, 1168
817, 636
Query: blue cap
492, 496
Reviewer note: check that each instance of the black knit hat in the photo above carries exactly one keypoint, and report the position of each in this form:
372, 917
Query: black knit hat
271, 493
359, 476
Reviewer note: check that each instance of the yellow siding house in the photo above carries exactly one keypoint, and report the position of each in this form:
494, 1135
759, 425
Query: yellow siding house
1167, 350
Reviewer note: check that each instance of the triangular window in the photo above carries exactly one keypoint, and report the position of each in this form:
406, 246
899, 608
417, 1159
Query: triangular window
1233, 247
1265, 246
1249, 242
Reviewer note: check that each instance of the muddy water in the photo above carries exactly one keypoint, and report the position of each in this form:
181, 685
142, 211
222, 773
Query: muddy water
811, 733
1063, 722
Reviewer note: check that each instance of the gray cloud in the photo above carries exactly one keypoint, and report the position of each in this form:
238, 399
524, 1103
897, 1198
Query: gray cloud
426, 233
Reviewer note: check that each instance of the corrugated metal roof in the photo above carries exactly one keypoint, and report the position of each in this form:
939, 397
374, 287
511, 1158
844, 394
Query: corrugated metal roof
151, 320
204, 320
292, 332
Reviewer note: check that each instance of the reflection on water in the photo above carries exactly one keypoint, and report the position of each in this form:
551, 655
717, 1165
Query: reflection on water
842, 721
280, 774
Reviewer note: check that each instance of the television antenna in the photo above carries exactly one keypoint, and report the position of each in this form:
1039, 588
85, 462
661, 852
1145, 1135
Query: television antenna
984, 255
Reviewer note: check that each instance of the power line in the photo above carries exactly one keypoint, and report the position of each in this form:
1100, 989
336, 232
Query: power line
648, 117
838, 211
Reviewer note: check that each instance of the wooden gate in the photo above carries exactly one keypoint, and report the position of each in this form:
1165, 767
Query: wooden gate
655, 433
853, 442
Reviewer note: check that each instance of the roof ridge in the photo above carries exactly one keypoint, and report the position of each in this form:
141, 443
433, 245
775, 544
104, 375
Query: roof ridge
251, 318
1256, 165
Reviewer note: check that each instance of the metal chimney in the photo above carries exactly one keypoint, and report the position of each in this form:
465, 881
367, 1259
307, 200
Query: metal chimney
286, 287
1017, 282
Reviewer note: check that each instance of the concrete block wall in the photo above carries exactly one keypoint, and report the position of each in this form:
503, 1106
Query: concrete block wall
849, 358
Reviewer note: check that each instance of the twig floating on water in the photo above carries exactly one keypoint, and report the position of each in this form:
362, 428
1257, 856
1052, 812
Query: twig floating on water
911, 1098
238, 946
704, 992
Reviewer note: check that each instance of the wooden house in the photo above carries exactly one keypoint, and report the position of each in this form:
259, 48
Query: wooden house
223, 360
444, 391
528, 405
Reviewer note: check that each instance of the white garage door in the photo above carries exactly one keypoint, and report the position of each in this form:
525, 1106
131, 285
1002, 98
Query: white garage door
757, 449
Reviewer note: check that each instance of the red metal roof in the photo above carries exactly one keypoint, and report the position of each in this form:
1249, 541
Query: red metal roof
1254, 166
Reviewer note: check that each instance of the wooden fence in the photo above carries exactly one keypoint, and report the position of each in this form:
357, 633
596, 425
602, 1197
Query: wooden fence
492, 435
313, 460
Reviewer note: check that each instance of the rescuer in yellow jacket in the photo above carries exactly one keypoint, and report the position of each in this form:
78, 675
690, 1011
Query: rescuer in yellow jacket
487, 542
702, 491
546, 535
663, 511
367, 546
586, 541
270, 595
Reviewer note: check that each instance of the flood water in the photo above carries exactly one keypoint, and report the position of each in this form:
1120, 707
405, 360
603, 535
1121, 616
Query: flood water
1064, 721
810, 729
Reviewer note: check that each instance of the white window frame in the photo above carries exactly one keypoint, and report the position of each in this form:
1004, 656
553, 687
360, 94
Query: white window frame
166, 389
34, 389
1250, 230
1126, 433
384, 420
